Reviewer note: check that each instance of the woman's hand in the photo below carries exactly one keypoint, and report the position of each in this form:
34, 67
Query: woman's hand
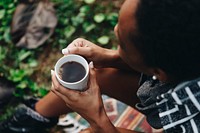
101, 57
87, 103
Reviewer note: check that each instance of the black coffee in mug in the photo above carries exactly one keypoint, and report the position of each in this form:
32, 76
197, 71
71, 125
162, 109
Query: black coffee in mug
72, 72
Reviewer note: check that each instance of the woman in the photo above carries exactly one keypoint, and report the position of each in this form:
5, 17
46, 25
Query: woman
163, 45
158, 41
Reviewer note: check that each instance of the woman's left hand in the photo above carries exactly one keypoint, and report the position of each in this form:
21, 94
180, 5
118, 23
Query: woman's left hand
87, 103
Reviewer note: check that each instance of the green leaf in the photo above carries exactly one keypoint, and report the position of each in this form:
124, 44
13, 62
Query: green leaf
11, 5
33, 63
1, 29
43, 91
103, 40
65, 21
2, 13
99, 17
3, 51
62, 41
88, 27
84, 9
16, 75
113, 18
77, 20
89, 1
69, 31
23, 84
23, 55
6, 35
10, 11
33, 86
114, 47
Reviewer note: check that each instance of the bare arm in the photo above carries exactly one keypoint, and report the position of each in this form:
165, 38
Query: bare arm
106, 126
88, 104
101, 57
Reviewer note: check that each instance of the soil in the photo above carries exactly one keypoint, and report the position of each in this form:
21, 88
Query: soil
47, 60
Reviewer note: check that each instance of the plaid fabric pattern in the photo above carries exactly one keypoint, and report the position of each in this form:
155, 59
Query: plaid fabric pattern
179, 108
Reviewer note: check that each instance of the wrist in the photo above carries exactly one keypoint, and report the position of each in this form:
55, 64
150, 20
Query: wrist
113, 58
102, 125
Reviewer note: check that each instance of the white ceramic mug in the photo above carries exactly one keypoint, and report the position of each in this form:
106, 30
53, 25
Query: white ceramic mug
79, 85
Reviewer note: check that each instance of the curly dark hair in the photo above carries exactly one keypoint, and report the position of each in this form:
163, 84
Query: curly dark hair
169, 36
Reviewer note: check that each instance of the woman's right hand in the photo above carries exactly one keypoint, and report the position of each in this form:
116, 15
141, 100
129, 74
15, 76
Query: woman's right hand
101, 57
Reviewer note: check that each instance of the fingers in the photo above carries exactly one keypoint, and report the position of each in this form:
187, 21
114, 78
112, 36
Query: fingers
78, 46
93, 81
79, 42
55, 82
59, 94
59, 89
84, 51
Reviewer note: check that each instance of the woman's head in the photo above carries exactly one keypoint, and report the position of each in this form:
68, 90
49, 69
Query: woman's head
165, 33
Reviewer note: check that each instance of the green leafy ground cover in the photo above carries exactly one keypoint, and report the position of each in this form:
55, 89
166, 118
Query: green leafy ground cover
29, 70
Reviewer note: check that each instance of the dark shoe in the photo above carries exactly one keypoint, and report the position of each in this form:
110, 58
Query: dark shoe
30, 101
26, 120
6, 91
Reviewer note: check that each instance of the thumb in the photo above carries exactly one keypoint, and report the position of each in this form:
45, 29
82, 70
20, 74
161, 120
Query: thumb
84, 51
93, 80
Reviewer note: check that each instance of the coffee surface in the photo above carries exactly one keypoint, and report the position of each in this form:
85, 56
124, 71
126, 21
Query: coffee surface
72, 72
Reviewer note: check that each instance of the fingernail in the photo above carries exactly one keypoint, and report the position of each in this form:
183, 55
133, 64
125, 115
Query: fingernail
52, 72
65, 51
52, 85
91, 64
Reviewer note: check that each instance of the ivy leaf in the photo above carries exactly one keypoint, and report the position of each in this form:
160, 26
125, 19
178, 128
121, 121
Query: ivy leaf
114, 47
43, 91
103, 40
33, 86
62, 41
69, 31
88, 27
2, 13
16, 75
113, 18
6, 35
32, 62
89, 1
84, 9
99, 17
23, 55
11, 5
77, 19
23, 84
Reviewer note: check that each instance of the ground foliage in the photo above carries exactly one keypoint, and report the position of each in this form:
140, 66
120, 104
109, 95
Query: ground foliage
28, 69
